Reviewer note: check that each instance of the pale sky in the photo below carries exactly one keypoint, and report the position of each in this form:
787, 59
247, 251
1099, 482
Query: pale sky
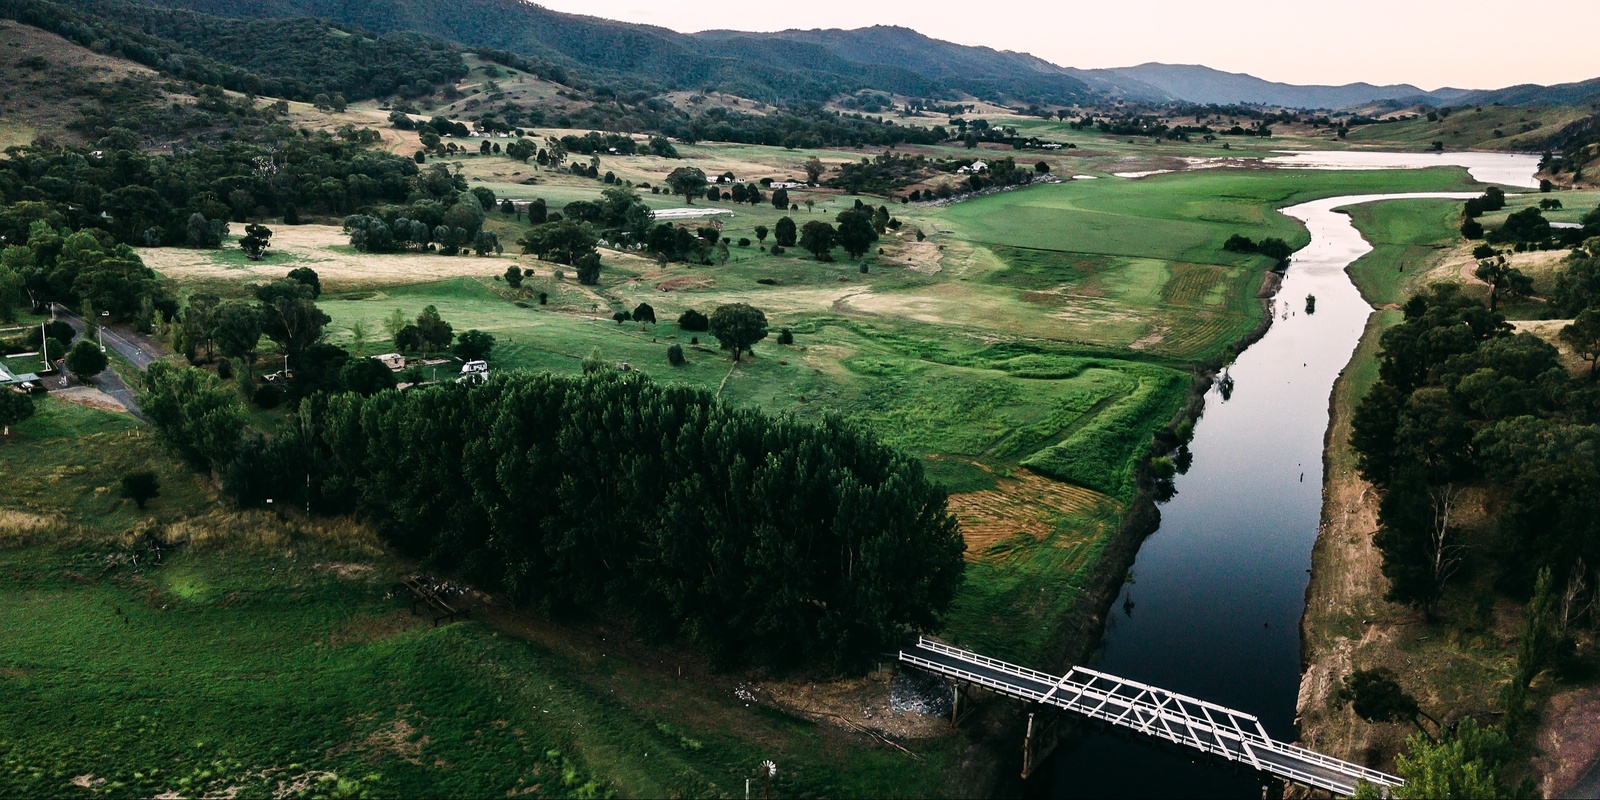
1470, 44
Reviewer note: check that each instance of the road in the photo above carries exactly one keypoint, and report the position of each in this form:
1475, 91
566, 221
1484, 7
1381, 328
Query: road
141, 354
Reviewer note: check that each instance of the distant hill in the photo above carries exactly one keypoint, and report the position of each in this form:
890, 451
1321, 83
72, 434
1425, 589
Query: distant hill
796, 65
979, 71
1200, 84
1582, 93
760, 66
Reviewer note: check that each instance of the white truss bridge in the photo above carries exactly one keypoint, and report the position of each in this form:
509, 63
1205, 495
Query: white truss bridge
1149, 710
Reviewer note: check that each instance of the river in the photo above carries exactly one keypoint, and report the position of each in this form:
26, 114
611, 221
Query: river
1212, 608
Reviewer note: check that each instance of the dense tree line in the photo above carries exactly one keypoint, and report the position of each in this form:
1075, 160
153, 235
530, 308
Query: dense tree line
1462, 401
758, 539
149, 199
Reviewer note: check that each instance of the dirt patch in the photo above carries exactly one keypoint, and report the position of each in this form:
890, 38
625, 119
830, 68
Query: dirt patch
1150, 339
398, 738
923, 257
89, 396
1568, 742
852, 703
347, 570
1027, 505
686, 282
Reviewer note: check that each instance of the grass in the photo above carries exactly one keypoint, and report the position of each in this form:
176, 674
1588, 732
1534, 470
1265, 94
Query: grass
1407, 236
267, 657
1486, 127
265, 675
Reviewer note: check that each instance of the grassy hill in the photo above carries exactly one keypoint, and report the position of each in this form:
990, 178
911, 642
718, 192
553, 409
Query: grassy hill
1487, 127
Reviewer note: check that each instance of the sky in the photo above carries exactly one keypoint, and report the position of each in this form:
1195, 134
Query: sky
1469, 44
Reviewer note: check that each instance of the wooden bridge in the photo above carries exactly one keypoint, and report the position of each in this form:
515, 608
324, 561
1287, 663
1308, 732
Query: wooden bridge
1176, 718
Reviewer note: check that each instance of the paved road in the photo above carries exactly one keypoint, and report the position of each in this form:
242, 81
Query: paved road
139, 353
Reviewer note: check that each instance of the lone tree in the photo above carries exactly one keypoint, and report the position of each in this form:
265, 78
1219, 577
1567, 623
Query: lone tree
514, 276
1584, 336
14, 408
85, 360
687, 181
254, 242
817, 237
761, 234
141, 487
814, 169
855, 233
784, 234
1375, 697
738, 326
1504, 280
645, 313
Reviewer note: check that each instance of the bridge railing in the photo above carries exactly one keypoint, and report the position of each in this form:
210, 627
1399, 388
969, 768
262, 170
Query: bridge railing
1157, 712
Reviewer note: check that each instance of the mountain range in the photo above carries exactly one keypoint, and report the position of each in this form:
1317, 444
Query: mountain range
814, 65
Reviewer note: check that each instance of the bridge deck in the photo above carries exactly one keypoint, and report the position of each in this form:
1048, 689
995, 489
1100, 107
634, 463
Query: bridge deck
1177, 718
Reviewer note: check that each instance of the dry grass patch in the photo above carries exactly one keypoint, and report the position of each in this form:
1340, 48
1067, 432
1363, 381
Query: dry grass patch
326, 249
1026, 505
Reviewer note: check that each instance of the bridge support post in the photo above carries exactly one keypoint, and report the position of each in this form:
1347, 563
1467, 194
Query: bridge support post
960, 703
1040, 741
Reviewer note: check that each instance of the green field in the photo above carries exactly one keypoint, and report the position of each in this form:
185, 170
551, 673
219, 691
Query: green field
1407, 237
1027, 351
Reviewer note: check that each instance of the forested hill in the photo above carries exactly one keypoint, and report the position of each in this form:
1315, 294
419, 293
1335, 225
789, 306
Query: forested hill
980, 71
295, 59
644, 57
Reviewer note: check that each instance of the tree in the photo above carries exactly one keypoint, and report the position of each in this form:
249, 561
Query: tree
855, 233
588, 268
237, 329
473, 345
1472, 229
644, 312
198, 416
141, 486
85, 360
687, 181
308, 277
817, 237
289, 316
1504, 280
485, 243
761, 234
366, 376
738, 326
780, 199
1583, 335
814, 169
11, 287
563, 242
1465, 764
255, 239
1375, 696
1041, 168
14, 408
784, 234
394, 322
513, 276
433, 332
675, 355
360, 332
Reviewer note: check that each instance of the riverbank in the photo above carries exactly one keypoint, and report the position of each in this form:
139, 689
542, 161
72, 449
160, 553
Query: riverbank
1457, 667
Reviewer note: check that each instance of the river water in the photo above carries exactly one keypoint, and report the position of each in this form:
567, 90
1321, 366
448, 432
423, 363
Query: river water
1213, 605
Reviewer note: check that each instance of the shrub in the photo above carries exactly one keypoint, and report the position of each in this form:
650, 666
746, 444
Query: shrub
693, 320
675, 355
785, 337
225, 369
